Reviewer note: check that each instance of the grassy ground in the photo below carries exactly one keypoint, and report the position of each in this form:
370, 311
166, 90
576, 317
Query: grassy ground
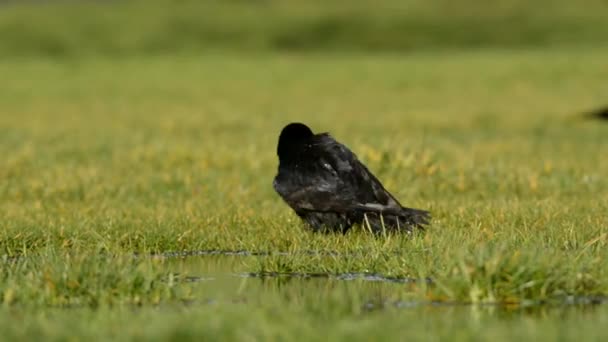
64, 28
107, 158
168, 150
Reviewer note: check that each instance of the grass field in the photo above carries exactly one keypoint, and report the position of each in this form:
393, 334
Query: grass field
108, 158
117, 158
77, 28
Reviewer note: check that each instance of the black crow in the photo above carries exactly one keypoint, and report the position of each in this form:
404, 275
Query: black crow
329, 188
599, 113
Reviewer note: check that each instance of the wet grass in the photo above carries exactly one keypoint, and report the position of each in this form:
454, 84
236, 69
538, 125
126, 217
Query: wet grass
108, 161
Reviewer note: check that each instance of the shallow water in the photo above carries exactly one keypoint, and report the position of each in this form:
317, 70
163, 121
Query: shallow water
226, 274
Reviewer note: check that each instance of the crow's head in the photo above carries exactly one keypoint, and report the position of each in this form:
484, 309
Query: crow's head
292, 137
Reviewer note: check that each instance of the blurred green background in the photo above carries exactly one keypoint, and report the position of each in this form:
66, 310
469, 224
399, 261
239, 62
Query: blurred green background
110, 27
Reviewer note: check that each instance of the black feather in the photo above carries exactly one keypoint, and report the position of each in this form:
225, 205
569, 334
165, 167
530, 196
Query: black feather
599, 113
329, 188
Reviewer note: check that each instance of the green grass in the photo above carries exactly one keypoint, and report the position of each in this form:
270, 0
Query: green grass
238, 321
105, 158
122, 28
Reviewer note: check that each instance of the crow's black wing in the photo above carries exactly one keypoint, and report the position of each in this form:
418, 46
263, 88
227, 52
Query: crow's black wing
354, 175
334, 180
314, 198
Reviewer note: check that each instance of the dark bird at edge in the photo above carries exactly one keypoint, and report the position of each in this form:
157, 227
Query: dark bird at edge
330, 189
599, 113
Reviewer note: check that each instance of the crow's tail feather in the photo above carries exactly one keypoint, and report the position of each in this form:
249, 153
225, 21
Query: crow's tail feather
381, 218
415, 217
398, 220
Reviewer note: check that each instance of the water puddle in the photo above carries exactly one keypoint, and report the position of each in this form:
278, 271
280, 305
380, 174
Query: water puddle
339, 276
225, 264
230, 253
218, 273
229, 262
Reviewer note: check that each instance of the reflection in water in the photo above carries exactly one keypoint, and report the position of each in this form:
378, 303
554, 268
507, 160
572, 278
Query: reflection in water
222, 278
